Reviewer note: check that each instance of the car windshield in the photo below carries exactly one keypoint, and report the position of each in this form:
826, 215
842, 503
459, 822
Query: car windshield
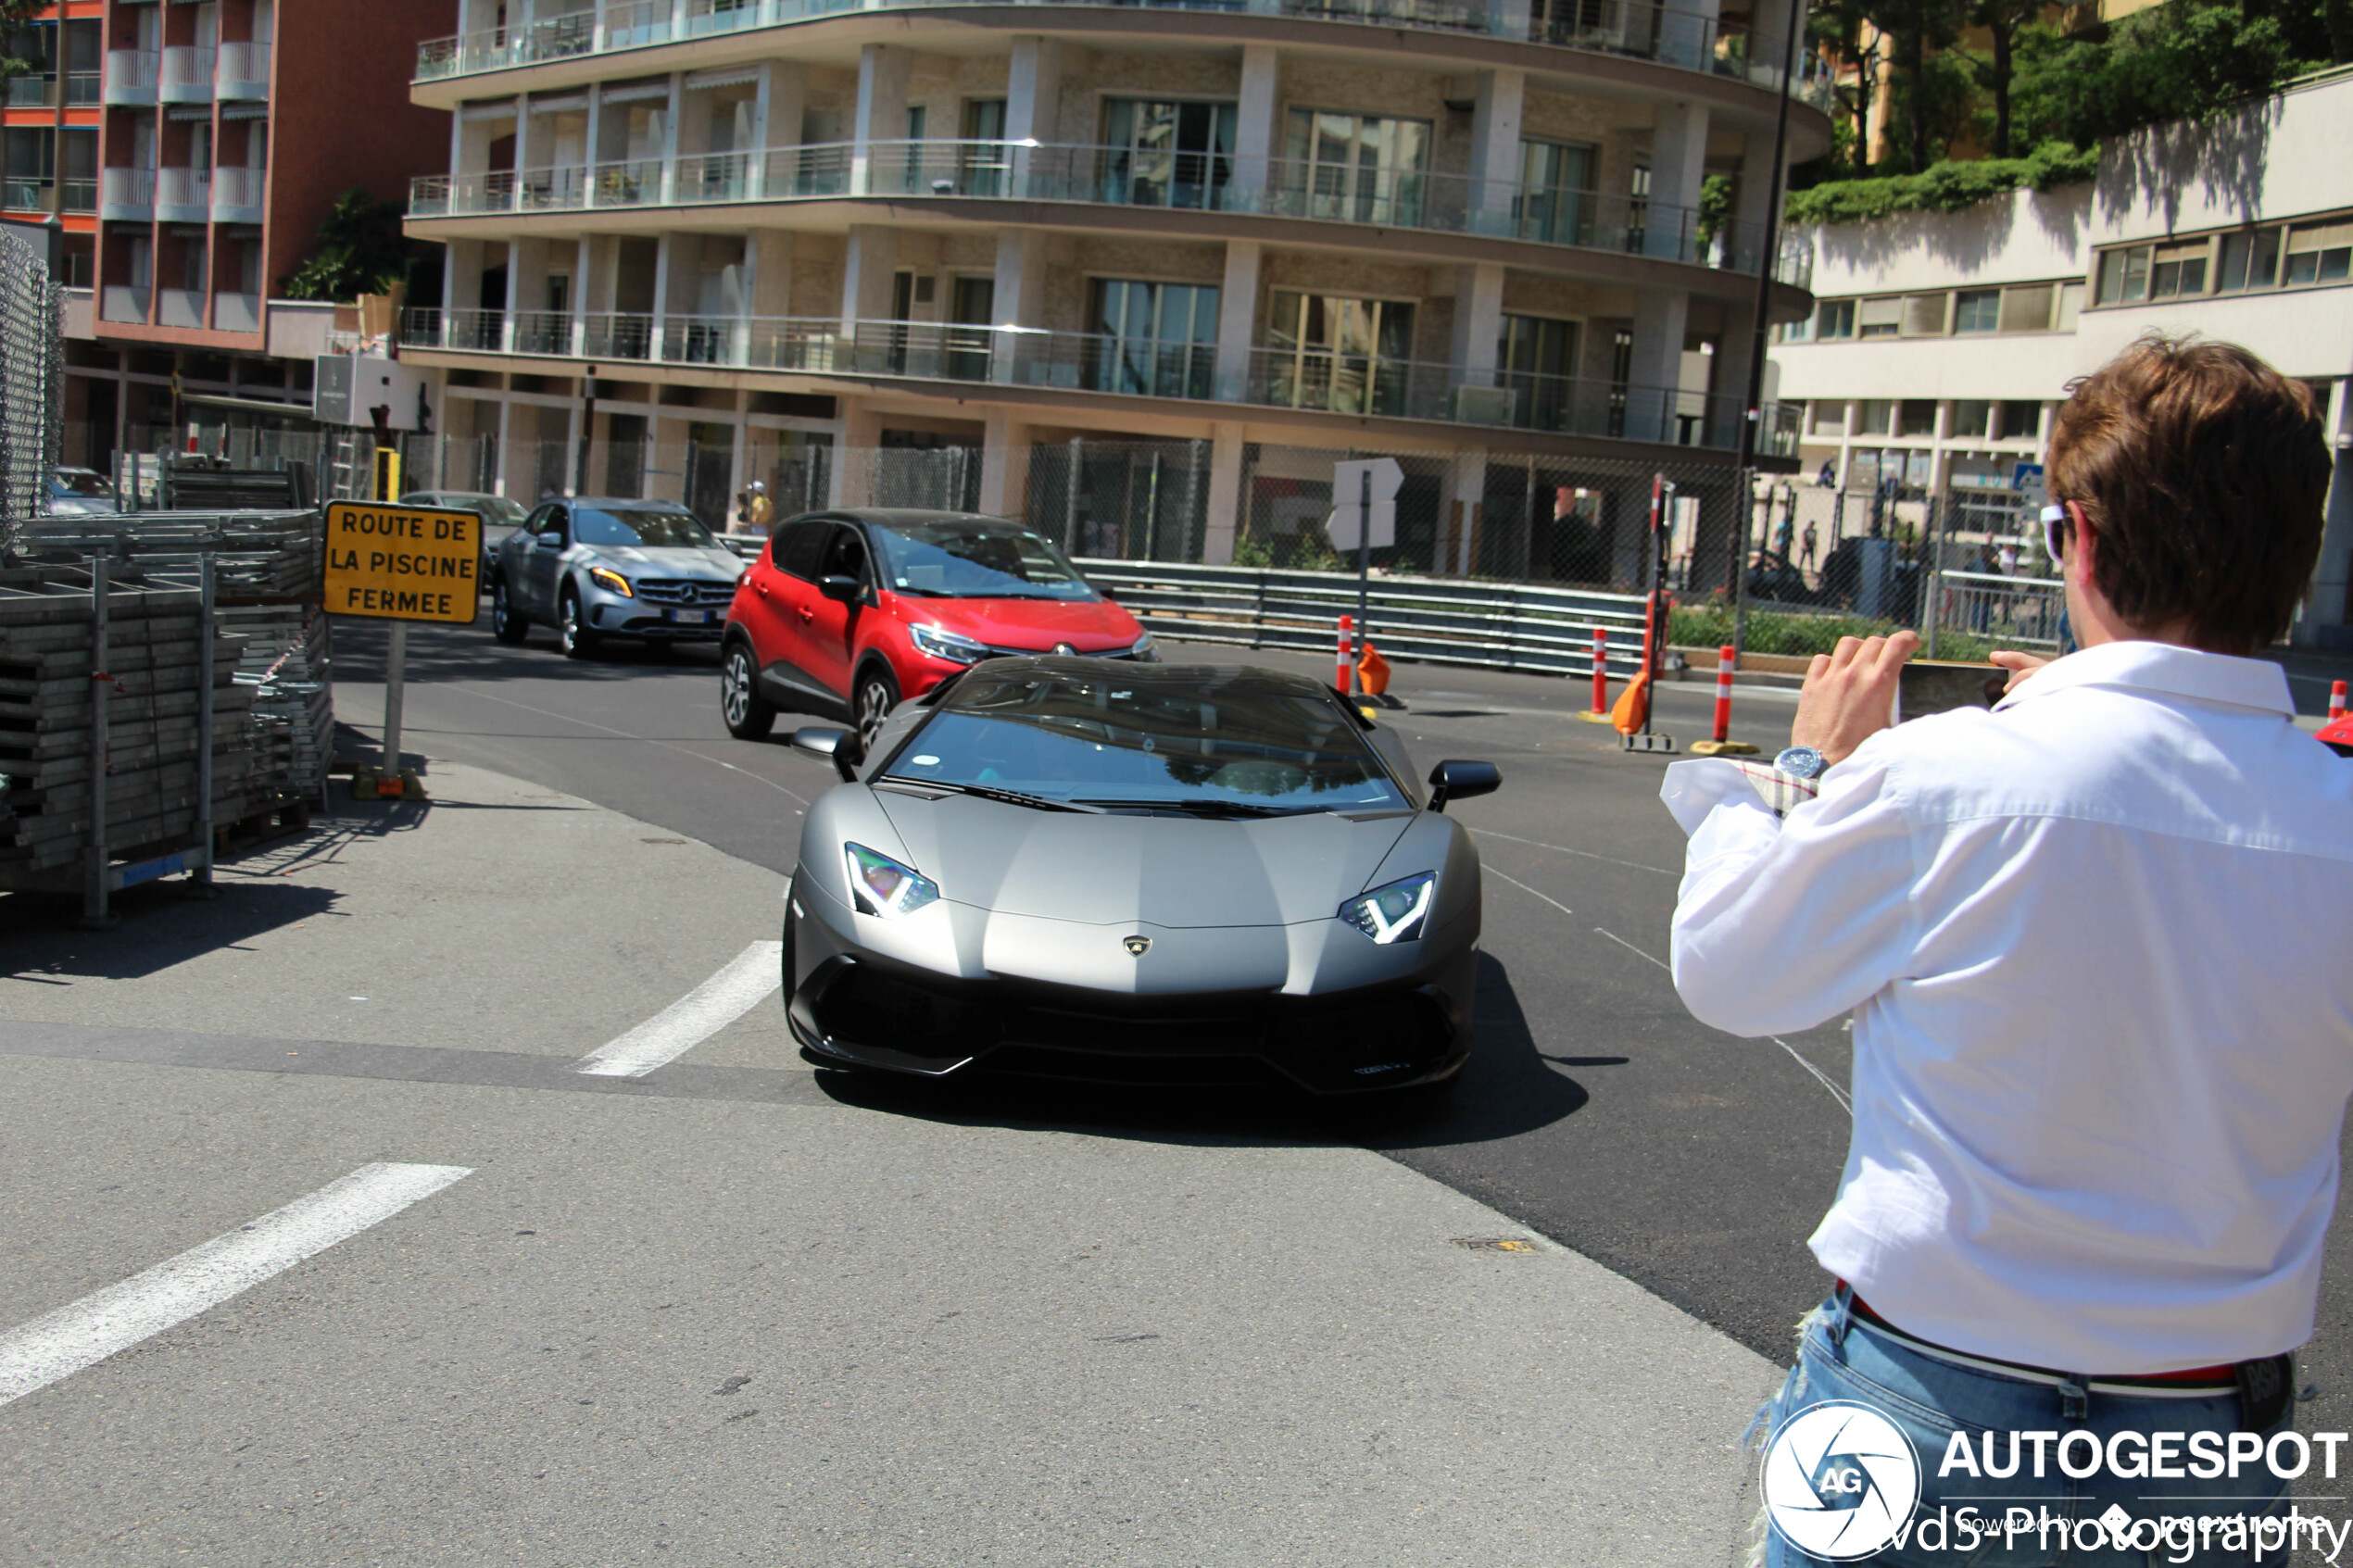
632, 525
975, 559
88, 485
495, 509
1220, 742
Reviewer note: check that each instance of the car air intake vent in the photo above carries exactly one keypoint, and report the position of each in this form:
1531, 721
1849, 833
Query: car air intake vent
684, 591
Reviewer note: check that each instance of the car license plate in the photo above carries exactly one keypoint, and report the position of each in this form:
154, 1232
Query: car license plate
692, 617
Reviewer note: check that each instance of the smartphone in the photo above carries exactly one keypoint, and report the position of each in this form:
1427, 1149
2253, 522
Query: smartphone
1924, 687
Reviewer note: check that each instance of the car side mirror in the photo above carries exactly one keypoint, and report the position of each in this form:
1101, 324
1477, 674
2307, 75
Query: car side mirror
551, 541
1460, 781
848, 590
840, 747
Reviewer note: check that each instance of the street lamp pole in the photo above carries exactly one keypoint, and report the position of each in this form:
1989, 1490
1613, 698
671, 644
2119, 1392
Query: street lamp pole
1753, 407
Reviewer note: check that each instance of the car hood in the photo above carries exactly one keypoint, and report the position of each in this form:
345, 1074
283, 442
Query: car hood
1087, 625
1118, 870
716, 564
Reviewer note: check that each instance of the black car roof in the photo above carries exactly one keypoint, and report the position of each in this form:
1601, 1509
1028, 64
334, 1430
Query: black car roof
1188, 677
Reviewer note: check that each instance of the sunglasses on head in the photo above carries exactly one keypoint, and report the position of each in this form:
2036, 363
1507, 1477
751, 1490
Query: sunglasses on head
2054, 527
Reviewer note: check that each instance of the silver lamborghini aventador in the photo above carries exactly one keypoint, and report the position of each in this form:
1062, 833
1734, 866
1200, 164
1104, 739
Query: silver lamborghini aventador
1139, 874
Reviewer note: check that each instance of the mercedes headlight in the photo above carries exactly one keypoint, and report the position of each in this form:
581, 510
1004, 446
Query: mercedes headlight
946, 645
604, 577
880, 886
1394, 913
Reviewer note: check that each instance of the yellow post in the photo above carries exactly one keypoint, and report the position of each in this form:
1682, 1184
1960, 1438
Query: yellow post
387, 474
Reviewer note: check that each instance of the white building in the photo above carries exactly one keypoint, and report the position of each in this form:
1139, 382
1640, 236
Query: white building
1941, 344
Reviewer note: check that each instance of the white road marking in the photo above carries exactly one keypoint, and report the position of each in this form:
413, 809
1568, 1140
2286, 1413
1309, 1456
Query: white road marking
83, 1332
1564, 849
693, 1018
1531, 892
1836, 1093
1633, 950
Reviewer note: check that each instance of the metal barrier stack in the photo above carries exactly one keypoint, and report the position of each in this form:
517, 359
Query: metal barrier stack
1433, 619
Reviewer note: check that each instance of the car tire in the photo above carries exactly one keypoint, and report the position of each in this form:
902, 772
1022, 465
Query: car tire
875, 693
747, 714
572, 630
508, 624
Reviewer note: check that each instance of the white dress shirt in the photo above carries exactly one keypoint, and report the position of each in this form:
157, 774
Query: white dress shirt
2099, 944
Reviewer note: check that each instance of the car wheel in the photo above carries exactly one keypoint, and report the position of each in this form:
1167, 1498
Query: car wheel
747, 715
877, 694
506, 624
572, 628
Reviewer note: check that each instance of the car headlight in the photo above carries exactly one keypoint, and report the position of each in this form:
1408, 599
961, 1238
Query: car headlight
1145, 650
1394, 913
880, 886
607, 578
940, 644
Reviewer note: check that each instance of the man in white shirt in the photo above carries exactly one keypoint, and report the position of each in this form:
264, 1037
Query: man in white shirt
2094, 944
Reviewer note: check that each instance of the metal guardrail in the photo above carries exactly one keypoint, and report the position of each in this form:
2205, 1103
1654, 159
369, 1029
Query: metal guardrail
2021, 612
1432, 619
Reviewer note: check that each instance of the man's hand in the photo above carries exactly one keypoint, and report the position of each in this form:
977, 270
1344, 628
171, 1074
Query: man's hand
2020, 665
1850, 694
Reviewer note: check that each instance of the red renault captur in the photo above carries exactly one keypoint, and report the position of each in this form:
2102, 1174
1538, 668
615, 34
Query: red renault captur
847, 612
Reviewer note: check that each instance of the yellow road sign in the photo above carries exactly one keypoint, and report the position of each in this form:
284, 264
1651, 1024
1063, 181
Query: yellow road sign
403, 563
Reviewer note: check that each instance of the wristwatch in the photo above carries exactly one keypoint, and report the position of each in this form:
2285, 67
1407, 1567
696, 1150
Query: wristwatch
1800, 762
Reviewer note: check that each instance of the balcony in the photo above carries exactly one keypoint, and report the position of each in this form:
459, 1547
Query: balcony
117, 303
1306, 380
180, 307
236, 313
950, 171
83, 89
1669, 34
81, 196
236, 194
127, 195
187, 75
244, 71
32, 91
26, 195
131, 76
183, 196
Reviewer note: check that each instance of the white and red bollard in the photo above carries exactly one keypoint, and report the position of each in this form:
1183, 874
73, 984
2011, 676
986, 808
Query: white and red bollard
1347, 665
2337, 703
1599, 712
1721, 744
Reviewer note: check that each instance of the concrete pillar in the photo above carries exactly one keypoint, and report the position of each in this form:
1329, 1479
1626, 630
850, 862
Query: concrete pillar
869, 259
462, 288
1730, 372
1005, 466
670, 136
665, 269
584, 257
850, 480
1744, 247
1033, 105
1236, 318
882, 108
777, 105
1678, 160
1479, 323
1767, 38
514, 256
591, 143
2328, 607
1020, 301
1227, 501
1658, 363
768, 255
1255, 132
1495, 136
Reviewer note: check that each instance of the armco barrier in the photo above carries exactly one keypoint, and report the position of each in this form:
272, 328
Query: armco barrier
1430, 620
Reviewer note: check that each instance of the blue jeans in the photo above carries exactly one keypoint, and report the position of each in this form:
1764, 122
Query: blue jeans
1844, 1358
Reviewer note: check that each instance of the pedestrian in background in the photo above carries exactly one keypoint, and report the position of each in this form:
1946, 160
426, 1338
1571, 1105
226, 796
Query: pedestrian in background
2091, 943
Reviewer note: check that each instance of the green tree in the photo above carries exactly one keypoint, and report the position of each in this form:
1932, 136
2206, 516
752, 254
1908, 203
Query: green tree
2005, 19
1837, 27
1921, 30
14, 16
2179, 60
359, 249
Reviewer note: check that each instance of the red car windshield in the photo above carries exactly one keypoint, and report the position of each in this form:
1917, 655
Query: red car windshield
976, 558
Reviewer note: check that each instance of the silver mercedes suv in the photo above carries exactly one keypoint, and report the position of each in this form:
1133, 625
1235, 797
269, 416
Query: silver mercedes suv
597, 567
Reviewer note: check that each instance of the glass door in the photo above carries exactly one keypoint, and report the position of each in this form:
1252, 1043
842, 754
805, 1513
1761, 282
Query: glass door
986, 157
971, 306
1168, 153
1536, 358
1342, 355
1551, 201
1356, 168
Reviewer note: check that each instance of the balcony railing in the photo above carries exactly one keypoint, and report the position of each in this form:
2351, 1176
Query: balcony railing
33, 92
1302, 377
119, 303
83, 87
183, 196
236, 194
80, 196
1200, 181
187, 75
1667, 34
244, 71
128, 193
131, 76
26, 195
180, 307
236, 313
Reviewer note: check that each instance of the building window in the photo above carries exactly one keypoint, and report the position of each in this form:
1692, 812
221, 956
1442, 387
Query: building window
1916, 417
2124, 276
1879, 417
984, 153
1153, 340
1824, 418
1795, 332
1879, 317
32, 154
2250, 261
1972, 417
1977, 310
2026, 309
1551, 205
1168, 153
1359, 168
2071, 308
2177, 271
1536, 357
2022, 419
1834, 318
1924, 314
2318, 253
1332, 352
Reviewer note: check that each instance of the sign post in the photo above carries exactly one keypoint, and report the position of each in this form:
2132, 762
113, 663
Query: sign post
1364, 514
395, 563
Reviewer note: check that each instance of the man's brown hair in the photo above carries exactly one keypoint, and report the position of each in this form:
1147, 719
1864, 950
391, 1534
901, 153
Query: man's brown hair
2204, 473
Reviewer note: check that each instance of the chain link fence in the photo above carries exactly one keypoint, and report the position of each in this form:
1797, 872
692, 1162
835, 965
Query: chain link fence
32, 382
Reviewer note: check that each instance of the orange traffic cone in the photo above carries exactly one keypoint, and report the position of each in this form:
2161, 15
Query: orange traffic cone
1633, 707
1373, 670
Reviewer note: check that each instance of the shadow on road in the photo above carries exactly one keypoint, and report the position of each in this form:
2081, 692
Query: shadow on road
1506, 1088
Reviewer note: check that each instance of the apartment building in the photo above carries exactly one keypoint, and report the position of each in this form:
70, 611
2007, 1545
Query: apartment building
1940, 344
199, 147
781, 236
49, 128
